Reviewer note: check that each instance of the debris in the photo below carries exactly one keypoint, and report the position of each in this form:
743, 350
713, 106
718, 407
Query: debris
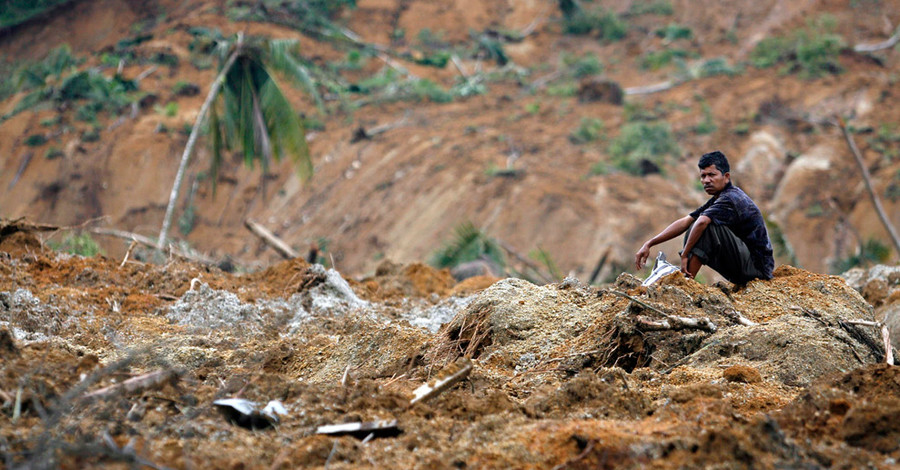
362, 430
244, 413
136, 384
449, 376
661, 269
672, 322
270, 239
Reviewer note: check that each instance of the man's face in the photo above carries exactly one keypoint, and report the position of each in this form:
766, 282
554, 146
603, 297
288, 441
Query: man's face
713, 180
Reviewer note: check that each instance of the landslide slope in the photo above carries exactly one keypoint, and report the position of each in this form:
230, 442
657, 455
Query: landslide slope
118, 364
529, 158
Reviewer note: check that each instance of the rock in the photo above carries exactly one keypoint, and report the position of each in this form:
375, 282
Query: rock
761, 164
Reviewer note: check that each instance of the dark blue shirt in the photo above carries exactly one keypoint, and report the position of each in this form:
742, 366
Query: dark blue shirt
735, 210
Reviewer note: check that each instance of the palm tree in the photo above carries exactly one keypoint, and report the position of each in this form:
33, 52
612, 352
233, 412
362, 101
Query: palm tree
248, 111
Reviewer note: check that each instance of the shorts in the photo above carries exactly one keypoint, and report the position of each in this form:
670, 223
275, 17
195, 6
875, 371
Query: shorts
722, 250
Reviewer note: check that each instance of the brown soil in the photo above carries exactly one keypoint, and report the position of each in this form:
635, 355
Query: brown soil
564, 374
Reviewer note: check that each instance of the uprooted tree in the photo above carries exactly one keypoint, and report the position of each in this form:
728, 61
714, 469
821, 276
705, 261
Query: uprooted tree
248, 111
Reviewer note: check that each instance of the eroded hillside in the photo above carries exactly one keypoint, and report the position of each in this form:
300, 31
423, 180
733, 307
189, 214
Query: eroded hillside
528, 156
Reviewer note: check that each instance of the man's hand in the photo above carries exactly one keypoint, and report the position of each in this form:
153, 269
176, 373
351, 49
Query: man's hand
640, 258
684, 267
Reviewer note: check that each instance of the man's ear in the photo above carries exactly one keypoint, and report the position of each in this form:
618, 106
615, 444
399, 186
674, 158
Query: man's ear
728, 176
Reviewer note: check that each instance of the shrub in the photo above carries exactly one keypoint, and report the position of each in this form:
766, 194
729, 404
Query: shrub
608, 25
426, 89
810, 52
868, 253
589, 130
643, 145
706, 126
81, 244
657, 7
587, 64
35, 140
659, 59
469, 243
53, 153
673, 32
16, 12
169, 110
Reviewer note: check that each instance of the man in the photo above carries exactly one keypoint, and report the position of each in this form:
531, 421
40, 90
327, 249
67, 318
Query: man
727, 233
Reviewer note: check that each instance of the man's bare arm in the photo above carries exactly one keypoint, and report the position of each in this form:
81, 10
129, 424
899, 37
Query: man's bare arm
673, 230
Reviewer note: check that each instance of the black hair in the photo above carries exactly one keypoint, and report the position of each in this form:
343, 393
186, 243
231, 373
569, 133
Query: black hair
716, 158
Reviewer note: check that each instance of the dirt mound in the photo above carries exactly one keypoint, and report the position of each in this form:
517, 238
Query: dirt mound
678, 373
393, 281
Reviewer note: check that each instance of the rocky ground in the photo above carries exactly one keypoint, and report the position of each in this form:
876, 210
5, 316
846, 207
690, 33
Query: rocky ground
112, 364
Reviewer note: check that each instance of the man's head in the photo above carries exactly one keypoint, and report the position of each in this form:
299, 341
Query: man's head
714, 172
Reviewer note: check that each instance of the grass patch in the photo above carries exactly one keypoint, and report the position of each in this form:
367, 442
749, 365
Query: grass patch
641, 146
810, 52
589, 130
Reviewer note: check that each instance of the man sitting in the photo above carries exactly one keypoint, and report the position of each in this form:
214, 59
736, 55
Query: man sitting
728, 233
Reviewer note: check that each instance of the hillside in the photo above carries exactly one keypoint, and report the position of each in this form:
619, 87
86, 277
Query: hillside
529, 157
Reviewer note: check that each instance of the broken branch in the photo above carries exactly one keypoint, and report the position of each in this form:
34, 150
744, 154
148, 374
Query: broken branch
136, 384
889, 43
672, 322
270, 239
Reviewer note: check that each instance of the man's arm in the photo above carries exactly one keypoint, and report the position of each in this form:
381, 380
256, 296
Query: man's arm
699, 226
673, 230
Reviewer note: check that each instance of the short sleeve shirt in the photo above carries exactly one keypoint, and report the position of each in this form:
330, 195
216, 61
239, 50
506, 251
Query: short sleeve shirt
735, 210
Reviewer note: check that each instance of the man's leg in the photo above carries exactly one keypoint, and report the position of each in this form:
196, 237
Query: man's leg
722, 250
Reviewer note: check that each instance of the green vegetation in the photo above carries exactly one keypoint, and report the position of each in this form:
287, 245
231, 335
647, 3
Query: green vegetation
674, 32
582, 66
580, 21
810, 52
655, 7
659, 59
707, 125
469, 243
35, 140
780, 246
589, 130
886, 141
643, 145
868, 253
80, 243
543, 257
169, 110
53, 153
15, 12
892, 191
56, 80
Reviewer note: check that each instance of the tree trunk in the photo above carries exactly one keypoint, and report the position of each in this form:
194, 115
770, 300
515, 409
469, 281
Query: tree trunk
192, 140
876, 201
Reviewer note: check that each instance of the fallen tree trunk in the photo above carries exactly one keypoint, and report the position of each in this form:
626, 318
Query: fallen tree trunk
270, 239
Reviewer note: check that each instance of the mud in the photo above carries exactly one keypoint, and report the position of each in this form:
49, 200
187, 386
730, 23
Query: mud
564, 374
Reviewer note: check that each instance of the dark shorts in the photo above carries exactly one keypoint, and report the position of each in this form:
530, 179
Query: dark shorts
722, 250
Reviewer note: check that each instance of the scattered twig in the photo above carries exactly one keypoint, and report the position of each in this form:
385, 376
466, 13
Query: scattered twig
136, 384
441, 383
346, 374
24, 164
128, 253
735, 316
146, 241
809, 313
145, 74
876, 201
646, 90
637, 301
672, 322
